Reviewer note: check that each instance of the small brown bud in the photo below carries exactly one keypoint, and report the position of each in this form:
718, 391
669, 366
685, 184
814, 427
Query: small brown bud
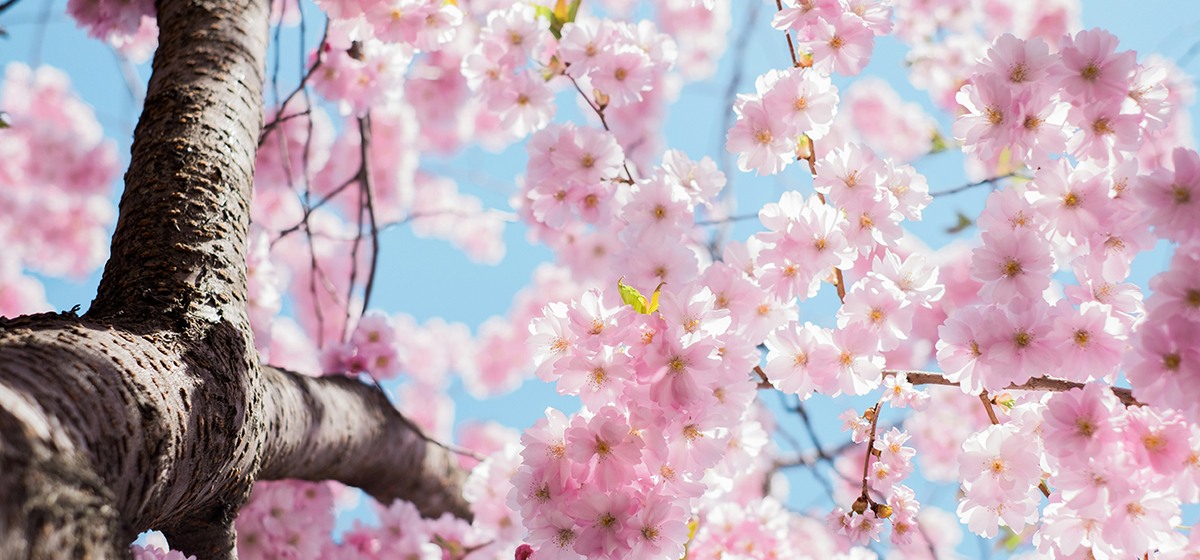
356, 51
860, 505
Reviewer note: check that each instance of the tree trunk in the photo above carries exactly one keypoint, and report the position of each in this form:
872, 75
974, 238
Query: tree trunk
152, 411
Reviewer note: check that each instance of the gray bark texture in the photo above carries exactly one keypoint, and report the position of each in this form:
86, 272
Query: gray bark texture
152, 410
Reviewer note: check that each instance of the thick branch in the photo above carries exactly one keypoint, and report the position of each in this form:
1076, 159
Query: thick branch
341, 429
121, 434
178, 251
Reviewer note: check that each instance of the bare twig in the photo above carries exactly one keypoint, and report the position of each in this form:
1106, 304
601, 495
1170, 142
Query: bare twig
1034, 384
970, 186
866, 494
603, 121
364, 127
726, 220
5, 6
788, 34
299, 88
987, 405
728, 195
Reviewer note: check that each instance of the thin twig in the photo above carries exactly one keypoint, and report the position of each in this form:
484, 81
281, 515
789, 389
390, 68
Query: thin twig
130, 75
987, 405
1189, 55
720, 221
791, 46
1034, 384
7, 5
970, 186
364, 129
812, 433
603, 121
302, 87
728, 195
39, 35
870, 446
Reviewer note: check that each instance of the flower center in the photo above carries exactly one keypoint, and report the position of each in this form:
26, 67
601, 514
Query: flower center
1193, 298
1084, 425
564, 537
994, 116
1018, 73
1010, 268
1181, 194
650, 533
800, 359
598, 377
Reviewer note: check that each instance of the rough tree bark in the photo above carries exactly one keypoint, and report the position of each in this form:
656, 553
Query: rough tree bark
152, 411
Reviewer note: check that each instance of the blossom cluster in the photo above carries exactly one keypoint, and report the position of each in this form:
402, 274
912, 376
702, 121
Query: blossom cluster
56, 172
666, 398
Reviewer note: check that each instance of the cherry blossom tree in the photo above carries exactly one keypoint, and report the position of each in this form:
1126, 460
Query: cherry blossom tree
1060, 399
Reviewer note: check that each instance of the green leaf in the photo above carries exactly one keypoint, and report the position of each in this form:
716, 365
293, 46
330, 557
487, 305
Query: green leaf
571, 11
654, 298
631, 296
1009, 539
560, 10
964, 222
939, 142
545, 12
556, 16
5, 121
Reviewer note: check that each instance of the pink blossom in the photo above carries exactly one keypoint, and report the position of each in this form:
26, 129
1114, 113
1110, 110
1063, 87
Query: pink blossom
881, 308
623, 75
842, 44
1022, 347
1157, 440
1103, 131
605, 445
525, 104
1021, 63
1092, 71
794, 352
990, 122
805, 99
679, 374
659, 529
1012, 264
899, 393
859, 364
1164, 364
602, 519
700, 181
760, 139
998, 465
1080, 423
1075, 202
1171, 196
